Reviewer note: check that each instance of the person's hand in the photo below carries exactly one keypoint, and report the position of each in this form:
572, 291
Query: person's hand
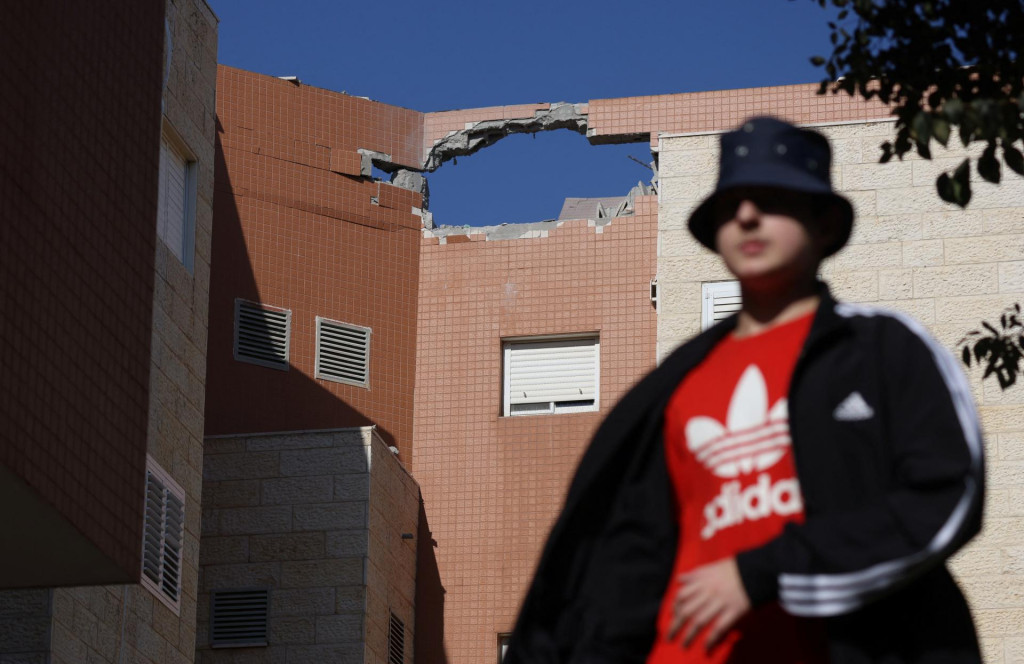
712, 594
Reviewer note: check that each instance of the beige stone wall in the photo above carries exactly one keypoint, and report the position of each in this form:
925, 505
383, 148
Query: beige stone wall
947, 267
128, 623
391, 561
317, 517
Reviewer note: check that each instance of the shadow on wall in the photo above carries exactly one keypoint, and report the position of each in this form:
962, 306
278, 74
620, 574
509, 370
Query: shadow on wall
428, 642
238, 391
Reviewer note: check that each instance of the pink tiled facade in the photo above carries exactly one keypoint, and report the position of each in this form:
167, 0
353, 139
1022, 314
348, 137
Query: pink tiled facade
298, 228
492, 484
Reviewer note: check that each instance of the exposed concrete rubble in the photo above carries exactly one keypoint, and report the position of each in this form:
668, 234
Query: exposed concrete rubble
481, 134
371, 158
605, 210
413, 181
478, 135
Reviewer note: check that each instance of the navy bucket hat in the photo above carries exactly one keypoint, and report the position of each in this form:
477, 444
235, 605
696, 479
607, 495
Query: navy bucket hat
766, 152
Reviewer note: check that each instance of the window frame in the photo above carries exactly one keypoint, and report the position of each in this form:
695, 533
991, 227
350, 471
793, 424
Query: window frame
170, 486
172, 140
507, 344
710, 290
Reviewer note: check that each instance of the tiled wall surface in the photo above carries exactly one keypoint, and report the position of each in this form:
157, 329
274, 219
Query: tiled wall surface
78, 202
298, 228
492, 485
318, 518
948, 268
722, 109
87, 622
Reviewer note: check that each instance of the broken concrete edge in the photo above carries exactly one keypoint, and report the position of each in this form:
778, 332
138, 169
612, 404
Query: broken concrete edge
478, 135
537, 229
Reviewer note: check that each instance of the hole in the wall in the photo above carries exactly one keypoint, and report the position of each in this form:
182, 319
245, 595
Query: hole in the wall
527, 177
378, 174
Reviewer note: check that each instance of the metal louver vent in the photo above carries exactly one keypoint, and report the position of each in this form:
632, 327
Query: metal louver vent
163, 530
262, 334
342, 352
396, 641
239, 617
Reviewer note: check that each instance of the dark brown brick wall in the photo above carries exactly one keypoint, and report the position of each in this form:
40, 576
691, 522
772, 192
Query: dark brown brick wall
79, 139
295, 227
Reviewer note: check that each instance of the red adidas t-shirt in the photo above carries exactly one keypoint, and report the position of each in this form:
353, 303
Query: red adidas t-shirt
729, 456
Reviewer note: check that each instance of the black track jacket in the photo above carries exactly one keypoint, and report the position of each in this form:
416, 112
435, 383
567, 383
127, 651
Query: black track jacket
891, 489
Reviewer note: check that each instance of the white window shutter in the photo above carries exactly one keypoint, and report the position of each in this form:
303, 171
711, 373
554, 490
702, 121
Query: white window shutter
396, 640
175, 205
163, 533
552, 375
721, 299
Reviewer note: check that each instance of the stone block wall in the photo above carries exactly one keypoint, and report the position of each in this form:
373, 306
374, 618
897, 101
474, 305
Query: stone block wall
948, 268
316, 517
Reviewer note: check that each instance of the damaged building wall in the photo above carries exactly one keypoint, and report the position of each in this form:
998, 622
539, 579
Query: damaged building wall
491, 484
304, 222
301, 227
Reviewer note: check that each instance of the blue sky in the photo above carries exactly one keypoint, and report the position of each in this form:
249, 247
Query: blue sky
452, 54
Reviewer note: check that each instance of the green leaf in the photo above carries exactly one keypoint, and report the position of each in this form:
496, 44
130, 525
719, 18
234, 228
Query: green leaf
944, 187
1013, 159
940, 130
962, 183
953, 109
886, 153
966, 356
921, 128
817, 60
988, 165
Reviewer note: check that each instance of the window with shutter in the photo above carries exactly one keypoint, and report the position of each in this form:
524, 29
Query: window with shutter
163, 531
396, 641
721, 300
262, 334
342, 352
176, 201
552, 375
239, 617
503, 640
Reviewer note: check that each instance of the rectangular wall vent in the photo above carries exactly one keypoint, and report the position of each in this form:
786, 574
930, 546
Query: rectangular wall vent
342, 352
163, 531
262, 334
396, 641
239, 617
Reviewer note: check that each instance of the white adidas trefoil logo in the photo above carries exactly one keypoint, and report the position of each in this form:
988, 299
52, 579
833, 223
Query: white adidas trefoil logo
753, 438
853, 409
